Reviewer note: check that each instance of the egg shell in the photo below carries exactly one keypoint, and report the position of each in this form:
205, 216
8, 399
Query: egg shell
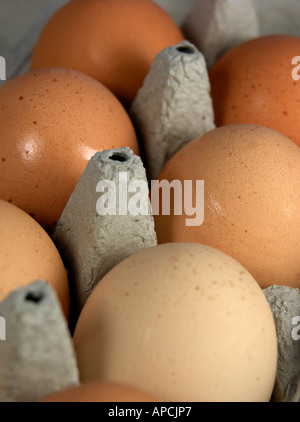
52, 121
27, 253
251, 203
114, 41
183, 322
99, 391
254, 83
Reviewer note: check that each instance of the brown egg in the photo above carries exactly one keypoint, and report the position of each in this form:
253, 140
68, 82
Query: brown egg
251, 200
97, 391
182, 322
27, 253
52, 121
256, 82
114, 41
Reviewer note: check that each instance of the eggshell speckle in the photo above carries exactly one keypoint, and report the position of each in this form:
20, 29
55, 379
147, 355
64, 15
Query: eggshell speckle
114, 41
254, 83
27, 253
52, 121
182, 322
251, 204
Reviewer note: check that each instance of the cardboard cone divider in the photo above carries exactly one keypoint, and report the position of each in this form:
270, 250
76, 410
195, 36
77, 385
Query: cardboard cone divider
91, 236
37, 357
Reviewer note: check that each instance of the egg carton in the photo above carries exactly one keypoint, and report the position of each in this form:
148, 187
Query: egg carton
39, 359
213, 27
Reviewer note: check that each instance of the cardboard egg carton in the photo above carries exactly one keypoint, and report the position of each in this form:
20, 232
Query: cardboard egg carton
39, 359
91, 244
37, 356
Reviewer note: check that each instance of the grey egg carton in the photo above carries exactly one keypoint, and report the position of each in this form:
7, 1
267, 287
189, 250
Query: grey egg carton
39, 359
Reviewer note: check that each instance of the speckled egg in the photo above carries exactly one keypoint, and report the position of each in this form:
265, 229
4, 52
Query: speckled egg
251, 200
258, 82
182, 322
27, 253
52, 121
114, 41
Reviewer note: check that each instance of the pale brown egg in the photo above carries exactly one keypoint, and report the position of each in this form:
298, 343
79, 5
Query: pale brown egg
181, 322
52, 121
251, 200
27, 253
114, 41
258, 82
99, 391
